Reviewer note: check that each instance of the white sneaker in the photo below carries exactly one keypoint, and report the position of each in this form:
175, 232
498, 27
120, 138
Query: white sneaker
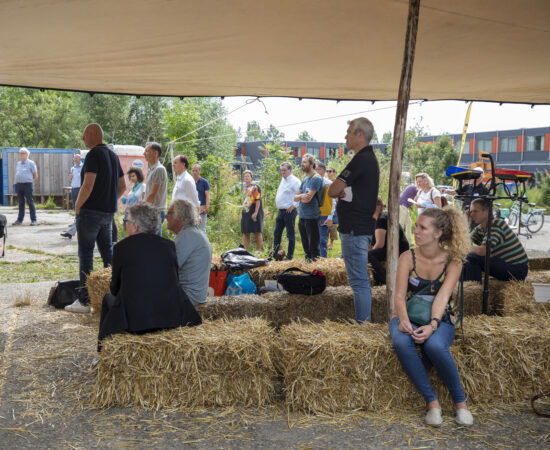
433, 417
77, 307
464, 417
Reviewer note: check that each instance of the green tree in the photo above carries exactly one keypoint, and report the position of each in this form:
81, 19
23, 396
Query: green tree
387, 137
145, 120
109, 111
274, 134
433, 159
254, 132
305, 136
34, 118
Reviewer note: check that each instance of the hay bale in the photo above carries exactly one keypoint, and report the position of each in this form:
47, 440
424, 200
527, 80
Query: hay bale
235, 307
538, 276
333, 268
539, 263
336, 367
98, 284
218, 363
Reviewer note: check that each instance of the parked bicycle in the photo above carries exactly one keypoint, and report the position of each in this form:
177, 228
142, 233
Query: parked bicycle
533, 219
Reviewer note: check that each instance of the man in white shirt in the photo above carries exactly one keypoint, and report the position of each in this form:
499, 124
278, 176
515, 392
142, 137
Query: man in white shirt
184, 186
287, 210
325, 222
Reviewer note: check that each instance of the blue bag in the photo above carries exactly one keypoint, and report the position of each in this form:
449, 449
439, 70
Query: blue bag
239, 285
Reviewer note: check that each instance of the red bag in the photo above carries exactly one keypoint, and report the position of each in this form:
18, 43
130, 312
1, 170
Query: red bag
217, 282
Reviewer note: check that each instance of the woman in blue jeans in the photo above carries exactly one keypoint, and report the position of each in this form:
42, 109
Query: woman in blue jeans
442, 242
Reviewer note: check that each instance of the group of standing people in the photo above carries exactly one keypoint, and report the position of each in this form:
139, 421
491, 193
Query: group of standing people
175, 273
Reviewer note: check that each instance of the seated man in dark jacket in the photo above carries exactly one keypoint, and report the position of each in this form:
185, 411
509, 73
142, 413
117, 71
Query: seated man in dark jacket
145, 293
377, 253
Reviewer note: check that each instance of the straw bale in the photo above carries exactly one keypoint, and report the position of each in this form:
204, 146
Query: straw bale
539, 263
98, 284
219, 363
336, 367
538, 276
235, 307
333, 268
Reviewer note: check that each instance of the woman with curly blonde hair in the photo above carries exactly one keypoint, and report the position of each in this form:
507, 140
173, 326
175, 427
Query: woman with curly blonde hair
433, 267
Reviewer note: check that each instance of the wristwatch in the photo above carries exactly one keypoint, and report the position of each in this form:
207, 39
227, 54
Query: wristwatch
438, 321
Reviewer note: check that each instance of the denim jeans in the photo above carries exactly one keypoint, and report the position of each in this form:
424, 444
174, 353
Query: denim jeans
435, 351
203, 223
24, 192
288, 221
74, 195
162, 216
355, 251
498, 268
92, 226
309, 234
323, 237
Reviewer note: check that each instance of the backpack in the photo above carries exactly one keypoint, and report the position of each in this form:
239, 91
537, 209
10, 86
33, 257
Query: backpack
325, 202
3, 232
444, 201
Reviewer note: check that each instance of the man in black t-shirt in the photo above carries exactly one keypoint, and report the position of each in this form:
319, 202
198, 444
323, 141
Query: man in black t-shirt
102, 185
377, 253
357, 190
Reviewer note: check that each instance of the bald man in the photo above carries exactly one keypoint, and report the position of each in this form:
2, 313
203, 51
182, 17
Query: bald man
102, 185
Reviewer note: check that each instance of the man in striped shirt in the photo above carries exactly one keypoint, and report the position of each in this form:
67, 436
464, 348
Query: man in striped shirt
508, 258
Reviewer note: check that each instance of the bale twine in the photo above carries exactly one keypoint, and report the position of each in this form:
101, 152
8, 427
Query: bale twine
98, 284
218, 363
335, 367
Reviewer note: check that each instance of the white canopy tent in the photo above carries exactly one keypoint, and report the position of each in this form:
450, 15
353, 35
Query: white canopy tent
496, 50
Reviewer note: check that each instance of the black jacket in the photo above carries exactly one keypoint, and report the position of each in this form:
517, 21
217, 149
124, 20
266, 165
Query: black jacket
145, 292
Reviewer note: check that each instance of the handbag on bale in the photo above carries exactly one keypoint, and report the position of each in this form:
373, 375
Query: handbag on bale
217, 281
305, 283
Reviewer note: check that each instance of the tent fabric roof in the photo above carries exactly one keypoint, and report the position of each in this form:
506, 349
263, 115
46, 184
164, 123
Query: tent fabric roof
494, 50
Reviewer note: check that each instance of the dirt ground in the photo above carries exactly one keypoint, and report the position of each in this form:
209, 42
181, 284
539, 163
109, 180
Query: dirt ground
46, 377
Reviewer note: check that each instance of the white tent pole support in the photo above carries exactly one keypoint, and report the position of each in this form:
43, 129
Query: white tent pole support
397, 151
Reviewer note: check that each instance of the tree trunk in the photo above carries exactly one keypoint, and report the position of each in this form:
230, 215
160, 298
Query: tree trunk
397, 151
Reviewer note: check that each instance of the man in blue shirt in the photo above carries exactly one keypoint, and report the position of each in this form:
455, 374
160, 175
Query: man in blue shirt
25, 174
74, 179
309, 208
203, 189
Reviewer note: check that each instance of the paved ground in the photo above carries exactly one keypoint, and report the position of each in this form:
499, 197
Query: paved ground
45, 378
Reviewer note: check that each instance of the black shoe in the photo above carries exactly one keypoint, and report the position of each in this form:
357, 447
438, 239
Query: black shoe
67, 235
17, 222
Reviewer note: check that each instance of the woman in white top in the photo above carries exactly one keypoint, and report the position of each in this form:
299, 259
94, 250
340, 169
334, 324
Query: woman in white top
428, 196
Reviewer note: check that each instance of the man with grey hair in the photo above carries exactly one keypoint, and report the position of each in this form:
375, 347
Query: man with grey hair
287, 210
192, 248
25, 174
357, 190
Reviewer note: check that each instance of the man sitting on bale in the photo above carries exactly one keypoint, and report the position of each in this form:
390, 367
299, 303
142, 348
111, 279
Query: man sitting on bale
193, 250
508, 258
377, 253
145, 293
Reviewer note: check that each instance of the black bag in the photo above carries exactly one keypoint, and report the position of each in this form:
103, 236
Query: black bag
3, 232
64, 293
305, 283
240, 259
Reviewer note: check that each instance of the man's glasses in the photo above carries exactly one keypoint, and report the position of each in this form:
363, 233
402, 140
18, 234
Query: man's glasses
125, 221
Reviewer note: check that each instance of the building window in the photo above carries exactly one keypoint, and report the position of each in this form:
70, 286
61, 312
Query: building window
485, 145
314, 151
466, 145
332, 152
534, 143
508, 144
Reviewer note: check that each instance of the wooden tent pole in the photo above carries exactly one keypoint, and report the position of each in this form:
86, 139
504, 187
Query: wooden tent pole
397, 151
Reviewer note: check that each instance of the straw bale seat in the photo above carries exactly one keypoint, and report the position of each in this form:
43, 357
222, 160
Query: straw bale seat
335, 367
218, 363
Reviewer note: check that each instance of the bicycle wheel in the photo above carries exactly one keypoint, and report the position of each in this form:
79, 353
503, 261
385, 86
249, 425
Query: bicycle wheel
513, 219
535, 222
